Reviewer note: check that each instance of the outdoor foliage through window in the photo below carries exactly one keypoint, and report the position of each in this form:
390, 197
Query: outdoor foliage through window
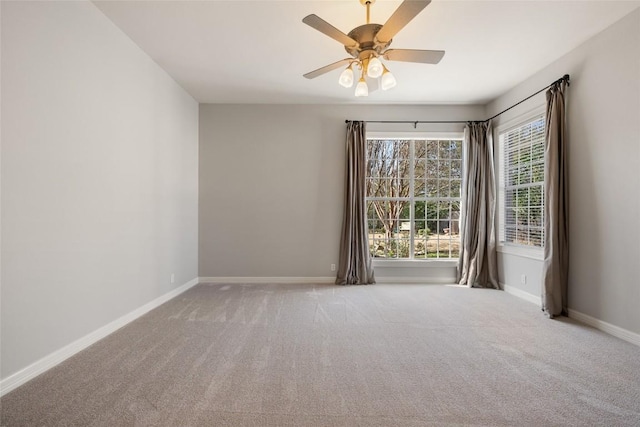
522, 183
413, 197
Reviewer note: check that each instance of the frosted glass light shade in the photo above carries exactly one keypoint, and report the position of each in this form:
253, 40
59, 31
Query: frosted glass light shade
346, 78
374, 69
388, 80
361, 88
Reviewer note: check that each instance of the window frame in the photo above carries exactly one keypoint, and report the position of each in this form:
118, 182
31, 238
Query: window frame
414, 135
526, 251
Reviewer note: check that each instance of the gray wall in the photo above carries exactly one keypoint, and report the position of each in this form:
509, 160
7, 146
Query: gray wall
271, 183
604, 160
99, 178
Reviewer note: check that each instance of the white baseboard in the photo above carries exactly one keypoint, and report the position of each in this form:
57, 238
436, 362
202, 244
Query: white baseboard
58, 356
10, 383
601, 325
537, 300
614, 330
322, 280
287, 279
415, 280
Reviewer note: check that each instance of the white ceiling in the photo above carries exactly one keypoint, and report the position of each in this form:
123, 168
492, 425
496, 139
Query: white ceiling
257, 51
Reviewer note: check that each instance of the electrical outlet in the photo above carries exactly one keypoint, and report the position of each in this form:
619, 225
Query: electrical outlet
523, 279
173, 277
333, 267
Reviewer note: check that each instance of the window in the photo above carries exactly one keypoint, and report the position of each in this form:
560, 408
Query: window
413, 197
521, 165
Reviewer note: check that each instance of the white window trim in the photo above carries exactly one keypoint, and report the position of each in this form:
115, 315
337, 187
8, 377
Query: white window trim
521, 251
536, 253
415, 135
415, 262
520, 120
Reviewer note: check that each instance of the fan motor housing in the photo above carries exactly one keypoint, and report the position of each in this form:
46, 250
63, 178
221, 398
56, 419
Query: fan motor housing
365, 35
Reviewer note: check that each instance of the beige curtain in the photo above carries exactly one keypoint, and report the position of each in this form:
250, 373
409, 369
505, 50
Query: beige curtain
477, 265
355, 267
556, 209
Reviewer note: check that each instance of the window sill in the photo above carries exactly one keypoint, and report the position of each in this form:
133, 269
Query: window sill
415, 263
522, 251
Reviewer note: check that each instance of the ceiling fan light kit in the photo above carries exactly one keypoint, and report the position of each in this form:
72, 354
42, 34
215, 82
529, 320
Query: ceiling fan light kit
361, 88
374, 69
369, 43
388, 80
346, 78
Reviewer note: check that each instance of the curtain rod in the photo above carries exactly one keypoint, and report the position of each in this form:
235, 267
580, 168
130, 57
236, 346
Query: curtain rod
565, 78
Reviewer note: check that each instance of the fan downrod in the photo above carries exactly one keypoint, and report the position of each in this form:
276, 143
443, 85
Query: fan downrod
367, 4
365, 35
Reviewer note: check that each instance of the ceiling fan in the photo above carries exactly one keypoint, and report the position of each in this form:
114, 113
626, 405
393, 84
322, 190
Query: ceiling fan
369, 42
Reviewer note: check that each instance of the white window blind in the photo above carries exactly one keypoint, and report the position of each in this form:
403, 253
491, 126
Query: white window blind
521, 177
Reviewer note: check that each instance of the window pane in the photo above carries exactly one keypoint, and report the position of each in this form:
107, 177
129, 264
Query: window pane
371, 214
403, 247
535, 196
432, 188
456, 187
535, 217
444, 226
419, 188
521, 197
405, 188
536, 237
444, 186
396, 183
419, 210
420, 167
420, 249
512, 176
444, 168
405, 209
373, 187
457, 150
456, 169
432, 149
404, 169
431, 169
445, 149
403, 149
524, 174
432, 210
372, 168
537, 152
392, 188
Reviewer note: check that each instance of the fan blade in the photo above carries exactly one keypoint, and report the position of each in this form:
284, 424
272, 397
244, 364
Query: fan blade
324, 27
401, 17
414, 55
320, 71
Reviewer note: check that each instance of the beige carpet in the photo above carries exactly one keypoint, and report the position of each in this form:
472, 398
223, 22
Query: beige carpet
321, 355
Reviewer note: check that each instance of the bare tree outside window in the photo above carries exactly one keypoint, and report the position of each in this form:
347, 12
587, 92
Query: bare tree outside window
413, 197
